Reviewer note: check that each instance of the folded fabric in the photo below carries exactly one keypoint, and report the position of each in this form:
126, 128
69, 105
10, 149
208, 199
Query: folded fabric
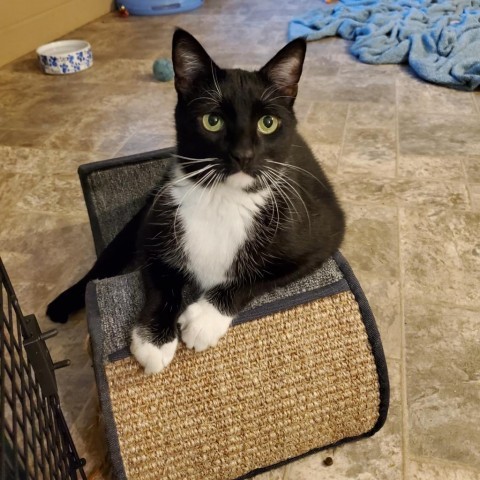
439, 39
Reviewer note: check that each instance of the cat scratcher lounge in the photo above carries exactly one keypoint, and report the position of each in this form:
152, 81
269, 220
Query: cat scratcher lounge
301, 368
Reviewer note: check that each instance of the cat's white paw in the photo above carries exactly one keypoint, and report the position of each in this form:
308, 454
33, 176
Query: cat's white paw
154, 359
202, 325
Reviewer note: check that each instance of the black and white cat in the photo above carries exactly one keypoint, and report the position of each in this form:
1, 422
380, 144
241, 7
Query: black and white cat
245, 207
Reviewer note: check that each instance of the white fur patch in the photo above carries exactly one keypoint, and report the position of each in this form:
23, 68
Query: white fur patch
216, 223
154, 359
240, 180
202, 325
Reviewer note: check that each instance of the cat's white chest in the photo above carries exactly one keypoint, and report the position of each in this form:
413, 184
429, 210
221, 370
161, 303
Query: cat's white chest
215, 224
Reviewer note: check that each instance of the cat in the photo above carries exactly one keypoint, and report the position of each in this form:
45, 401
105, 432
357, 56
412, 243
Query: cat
244, 208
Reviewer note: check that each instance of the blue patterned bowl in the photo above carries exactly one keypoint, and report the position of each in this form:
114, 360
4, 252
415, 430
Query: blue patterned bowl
65, 56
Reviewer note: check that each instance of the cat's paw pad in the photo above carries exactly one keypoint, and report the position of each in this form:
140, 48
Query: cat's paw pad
153, 358
202, 325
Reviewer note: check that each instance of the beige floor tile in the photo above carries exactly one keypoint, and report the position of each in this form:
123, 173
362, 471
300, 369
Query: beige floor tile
88, 133
437, 409
426, 470
32, 296
375, 89
375, 229
472, 168
371, 247
301, 109
474, 191
326, 152
417, 95
432, 193
465, 232
369, 150
41, 162
324, 64
431, 167
323, 130
425, 134
276, 474
445, 271
59, 194
23, 138
354, 67
375, 458
48, 108
476, 98
437, 274
369, 189
452, 331
145, 142
372, 115
45, 248
329, 117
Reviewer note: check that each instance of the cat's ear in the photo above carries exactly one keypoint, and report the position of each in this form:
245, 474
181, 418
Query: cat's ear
285, 68
190, 61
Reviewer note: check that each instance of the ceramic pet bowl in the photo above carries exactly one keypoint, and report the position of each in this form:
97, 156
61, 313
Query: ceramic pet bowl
65, 56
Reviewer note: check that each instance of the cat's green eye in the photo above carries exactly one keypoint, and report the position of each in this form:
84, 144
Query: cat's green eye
268, 124
212, 122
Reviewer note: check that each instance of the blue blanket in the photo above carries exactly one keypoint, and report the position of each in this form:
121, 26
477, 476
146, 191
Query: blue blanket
440, 39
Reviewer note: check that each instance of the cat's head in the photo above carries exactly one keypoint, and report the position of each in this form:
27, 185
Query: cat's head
230, 122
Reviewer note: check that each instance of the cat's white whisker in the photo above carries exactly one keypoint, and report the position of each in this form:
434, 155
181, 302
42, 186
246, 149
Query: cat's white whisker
187, 176
269, 91
275, 182
211, 97
214, 95
176, 181
298, 169
210, 184
179, 180
196, 162
282, 180
206, 189
280, 96
215, 80
207, 159
284, 218
289, 185
275, 207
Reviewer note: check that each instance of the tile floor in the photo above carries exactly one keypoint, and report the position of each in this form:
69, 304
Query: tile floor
404, 155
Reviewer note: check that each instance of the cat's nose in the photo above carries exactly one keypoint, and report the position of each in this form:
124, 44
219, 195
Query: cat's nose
243, 157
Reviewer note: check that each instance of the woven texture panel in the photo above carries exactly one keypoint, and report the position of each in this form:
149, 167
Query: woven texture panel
116, 194
272, 389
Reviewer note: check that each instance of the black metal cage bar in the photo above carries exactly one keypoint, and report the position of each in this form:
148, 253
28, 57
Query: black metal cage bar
35, 440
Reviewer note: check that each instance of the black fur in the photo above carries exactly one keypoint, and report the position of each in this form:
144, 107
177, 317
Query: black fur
294, 232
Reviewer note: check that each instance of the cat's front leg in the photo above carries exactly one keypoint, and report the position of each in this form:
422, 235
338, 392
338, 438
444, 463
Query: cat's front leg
154, 336
207, 320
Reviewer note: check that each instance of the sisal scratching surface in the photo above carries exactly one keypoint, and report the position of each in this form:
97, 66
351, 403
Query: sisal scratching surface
271, 390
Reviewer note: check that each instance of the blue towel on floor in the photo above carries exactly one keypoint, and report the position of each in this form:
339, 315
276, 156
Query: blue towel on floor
440, 39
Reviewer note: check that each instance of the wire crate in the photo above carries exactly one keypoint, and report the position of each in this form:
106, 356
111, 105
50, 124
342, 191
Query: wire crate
35, 440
